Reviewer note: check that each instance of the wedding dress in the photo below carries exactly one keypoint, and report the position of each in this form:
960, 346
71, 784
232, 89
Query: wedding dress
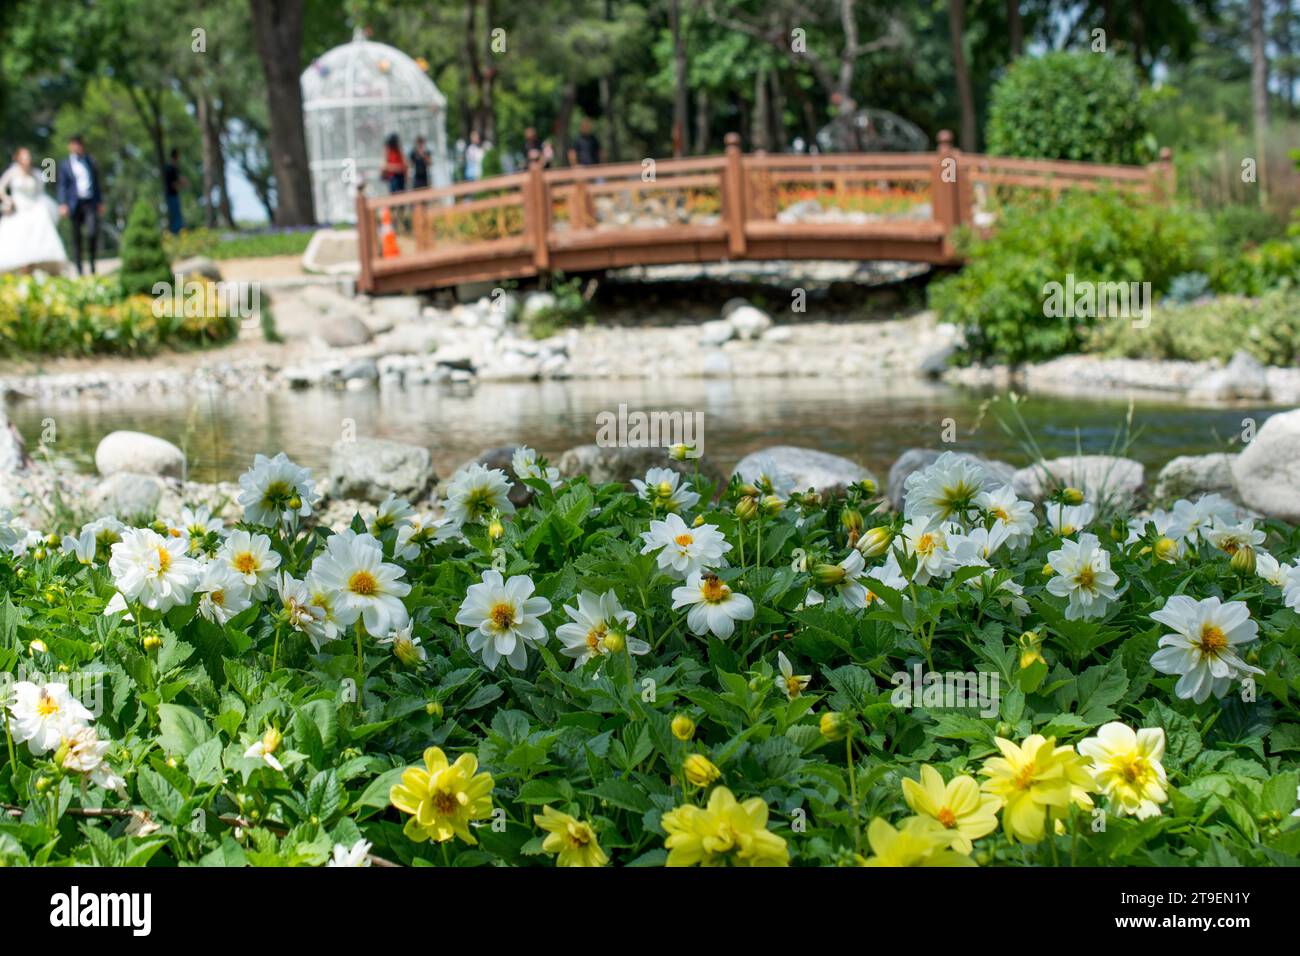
29, 234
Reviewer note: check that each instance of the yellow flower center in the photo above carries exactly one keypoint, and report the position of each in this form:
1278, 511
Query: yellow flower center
714, 591
217, 597
578, 836
1086, 578
363, 583
925, 544
1135, 769
1000, 514
1025, 778
245, 562
1213, 642
1230, 546
684, 539
947, 817
793, 685
47, 706
502, 616
594, 638
444, 801
164, 560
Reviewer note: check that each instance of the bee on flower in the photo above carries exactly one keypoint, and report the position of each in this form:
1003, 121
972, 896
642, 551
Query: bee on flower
664, 488
598, 626
714, 606
506, 619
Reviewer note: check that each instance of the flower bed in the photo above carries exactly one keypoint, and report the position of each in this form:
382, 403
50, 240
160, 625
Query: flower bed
648, 678
49, 317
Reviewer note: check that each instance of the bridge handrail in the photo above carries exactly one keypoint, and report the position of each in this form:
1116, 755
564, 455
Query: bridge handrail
524, 204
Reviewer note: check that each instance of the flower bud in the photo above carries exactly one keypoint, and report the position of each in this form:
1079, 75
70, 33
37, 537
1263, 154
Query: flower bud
1243, 562
681, 451
664, 490
833, 725
683, 727
875, 542
1072, 496
295, 503
1166, 550
747, 491
1048, 570
406, 651
152, 642
1004, 730
37, 647
851, 518
433, 708
1030, 643
699, 520
746, 508
700, 771
772, 505
868, 486
496, 530
271, 740
613, 642
829, 575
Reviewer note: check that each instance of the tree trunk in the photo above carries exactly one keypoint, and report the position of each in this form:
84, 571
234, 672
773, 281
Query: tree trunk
1259, 92
1015, 28
966, 97
780, 140
679, 77
607, 85
758, 133
203, 111
701, 122
277, 31
563, 121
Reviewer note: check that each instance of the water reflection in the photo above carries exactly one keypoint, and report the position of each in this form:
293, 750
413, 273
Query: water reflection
871, 421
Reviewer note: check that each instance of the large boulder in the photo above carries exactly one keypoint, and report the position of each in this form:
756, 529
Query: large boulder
373, 468
1190, 476
749, 322
1267, 471
1101, 478
1242, 378
13, 451
128, 495
914, 459
139, 453
603, 464
801, 469
321, 312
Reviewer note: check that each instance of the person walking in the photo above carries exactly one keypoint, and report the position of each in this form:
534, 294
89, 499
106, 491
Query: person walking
585, 150
394, 164
80, 200
474, 154
173, 183
420, 160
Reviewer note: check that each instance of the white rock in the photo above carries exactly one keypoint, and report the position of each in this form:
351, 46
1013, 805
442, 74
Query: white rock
715, 332
127, 451
1267, 471
1190, 476
749, 322
805, 467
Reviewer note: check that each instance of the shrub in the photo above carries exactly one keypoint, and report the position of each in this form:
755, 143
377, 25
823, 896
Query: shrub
51, 317
1268, 328
216, 244
998, 298
1273, 264
144, 263
1069, 105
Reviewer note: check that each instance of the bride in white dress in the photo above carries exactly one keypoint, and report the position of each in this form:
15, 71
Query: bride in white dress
29, 235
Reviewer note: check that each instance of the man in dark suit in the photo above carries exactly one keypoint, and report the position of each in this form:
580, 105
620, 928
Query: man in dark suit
80, 199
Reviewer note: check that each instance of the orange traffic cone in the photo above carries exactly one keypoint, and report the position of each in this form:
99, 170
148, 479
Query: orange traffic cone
387, 237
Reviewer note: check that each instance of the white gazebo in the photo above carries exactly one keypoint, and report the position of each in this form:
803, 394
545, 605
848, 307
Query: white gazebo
353, 98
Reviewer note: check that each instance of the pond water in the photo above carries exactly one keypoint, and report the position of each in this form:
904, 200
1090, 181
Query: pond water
872, 422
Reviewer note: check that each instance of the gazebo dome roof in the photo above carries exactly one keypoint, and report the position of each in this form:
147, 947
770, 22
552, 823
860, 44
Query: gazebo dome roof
364, 71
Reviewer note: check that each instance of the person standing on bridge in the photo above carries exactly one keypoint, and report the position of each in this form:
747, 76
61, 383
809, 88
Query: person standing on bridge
394, 164
585, 150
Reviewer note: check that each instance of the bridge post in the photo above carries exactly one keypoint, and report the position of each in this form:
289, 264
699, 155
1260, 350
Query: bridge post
365, 241
537, 209
1162, 175
733, 197
945, 189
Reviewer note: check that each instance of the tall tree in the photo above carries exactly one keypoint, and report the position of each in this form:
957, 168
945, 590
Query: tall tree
277, 32
679, 77
961, 72
1259, 91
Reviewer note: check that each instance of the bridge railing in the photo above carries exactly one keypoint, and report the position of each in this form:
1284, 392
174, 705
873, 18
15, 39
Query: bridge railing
733, 206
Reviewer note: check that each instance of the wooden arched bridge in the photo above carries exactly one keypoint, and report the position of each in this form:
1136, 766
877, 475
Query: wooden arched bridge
857, 206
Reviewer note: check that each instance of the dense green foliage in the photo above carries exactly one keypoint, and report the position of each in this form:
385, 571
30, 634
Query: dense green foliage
1069, 105
218, 244
144, 262
47, 318
998, 298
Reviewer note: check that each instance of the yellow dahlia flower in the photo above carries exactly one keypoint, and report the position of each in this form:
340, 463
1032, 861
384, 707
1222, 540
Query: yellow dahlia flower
572, 840
443, 798
723, 833
957, 806
1033, 778
919, 841
1126, 765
